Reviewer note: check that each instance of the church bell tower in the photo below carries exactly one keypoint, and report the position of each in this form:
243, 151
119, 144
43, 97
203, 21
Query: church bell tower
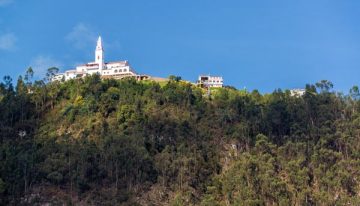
99, 54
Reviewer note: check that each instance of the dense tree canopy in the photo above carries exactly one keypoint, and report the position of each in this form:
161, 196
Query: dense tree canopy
123, 142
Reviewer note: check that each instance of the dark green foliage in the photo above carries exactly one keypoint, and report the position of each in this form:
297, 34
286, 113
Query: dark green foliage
91, 141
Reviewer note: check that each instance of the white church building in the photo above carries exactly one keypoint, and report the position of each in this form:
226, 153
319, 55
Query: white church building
116, 69
121, 69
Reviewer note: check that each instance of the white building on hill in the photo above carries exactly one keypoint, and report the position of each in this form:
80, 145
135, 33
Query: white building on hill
210, 81
297, 92
117, 69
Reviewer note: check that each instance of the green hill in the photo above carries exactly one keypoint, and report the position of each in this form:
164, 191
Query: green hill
122, 142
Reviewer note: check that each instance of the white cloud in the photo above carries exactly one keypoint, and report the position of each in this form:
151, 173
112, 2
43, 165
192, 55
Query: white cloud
41, 63
5, 2
82, 36
7, 41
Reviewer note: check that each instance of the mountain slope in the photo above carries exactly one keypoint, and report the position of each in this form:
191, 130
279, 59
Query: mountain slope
121, 142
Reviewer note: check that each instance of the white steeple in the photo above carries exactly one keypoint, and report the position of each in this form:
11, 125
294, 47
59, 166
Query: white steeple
99, 54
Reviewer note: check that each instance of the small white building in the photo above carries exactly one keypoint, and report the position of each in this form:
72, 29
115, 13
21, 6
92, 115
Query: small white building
297, 92
210, 81
117, 69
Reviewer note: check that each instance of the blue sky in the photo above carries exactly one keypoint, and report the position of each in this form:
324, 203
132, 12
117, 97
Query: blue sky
257, 44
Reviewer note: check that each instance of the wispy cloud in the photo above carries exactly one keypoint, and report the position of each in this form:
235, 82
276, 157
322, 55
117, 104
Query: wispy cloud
5, 2
7, 41
41, 63
82, 36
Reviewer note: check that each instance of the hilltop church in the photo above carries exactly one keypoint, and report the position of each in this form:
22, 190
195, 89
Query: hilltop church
121, 69
116, 69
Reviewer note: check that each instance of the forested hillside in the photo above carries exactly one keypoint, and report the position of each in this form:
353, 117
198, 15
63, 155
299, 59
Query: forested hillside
122, 142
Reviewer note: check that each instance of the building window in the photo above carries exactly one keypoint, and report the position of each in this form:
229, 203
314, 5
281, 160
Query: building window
125, 70
115, 71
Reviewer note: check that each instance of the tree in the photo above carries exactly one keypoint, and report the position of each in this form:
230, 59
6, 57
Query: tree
324, 85
174, 78
51, 72
21, 86
8, 83
354, 92
29, 75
